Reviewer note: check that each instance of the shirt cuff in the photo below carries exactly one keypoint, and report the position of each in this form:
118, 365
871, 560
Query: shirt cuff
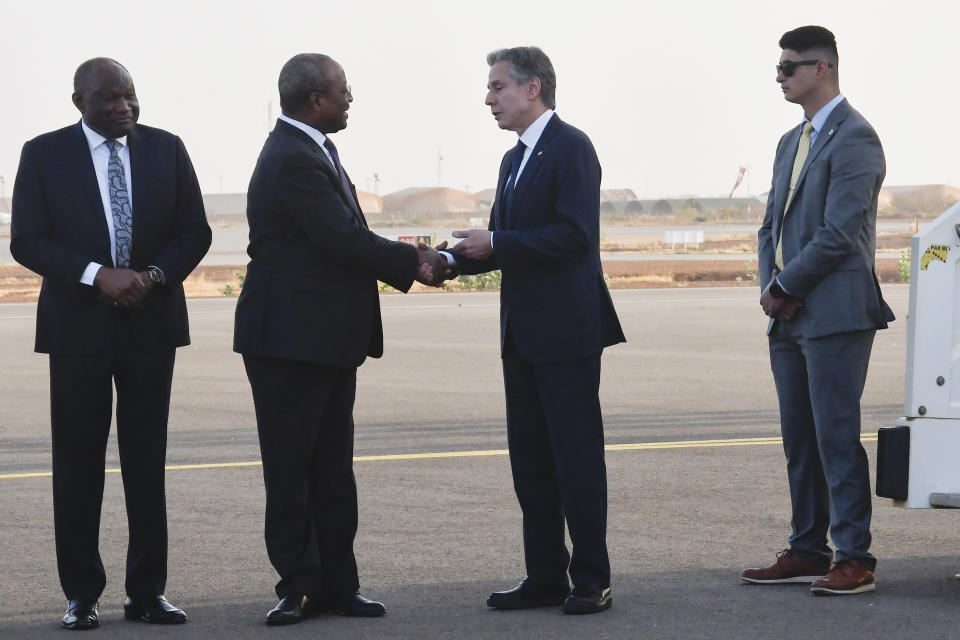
491, 239
780, 284
449, 257
90, 273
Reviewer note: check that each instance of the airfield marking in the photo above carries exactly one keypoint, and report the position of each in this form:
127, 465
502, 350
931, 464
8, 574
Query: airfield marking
636, 446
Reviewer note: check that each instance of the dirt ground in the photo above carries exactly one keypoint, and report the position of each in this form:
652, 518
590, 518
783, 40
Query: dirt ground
17, 284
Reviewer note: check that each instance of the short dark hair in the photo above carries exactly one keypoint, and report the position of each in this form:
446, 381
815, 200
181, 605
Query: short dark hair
81, 77
526, 63
810, 37
302, 75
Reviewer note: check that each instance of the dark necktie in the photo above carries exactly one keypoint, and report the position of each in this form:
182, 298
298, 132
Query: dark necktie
344, 180
515, 161
119, 205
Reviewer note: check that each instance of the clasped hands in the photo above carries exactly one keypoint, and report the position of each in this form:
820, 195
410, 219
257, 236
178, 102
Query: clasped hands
782, 309
432, 266
122, 287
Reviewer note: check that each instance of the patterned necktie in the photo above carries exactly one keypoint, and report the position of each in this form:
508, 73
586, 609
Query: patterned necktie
803, 149
344, 180
514, 170
119, 205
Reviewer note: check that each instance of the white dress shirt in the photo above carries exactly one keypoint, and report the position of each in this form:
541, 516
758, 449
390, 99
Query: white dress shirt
314, 134
531, 136
820, 117
101, 158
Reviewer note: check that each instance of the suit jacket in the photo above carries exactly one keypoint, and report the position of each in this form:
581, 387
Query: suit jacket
553, 296
59, 227
829, 232
310, 292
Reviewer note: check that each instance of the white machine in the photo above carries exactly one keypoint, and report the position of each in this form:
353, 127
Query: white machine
917, 460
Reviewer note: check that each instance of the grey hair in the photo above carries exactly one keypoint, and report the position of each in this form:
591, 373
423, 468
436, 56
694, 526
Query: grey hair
302, 75
526, 63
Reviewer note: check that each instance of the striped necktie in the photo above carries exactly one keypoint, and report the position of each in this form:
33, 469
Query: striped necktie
803, 149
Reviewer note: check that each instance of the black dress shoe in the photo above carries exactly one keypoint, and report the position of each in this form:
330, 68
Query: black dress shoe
288, 611
353, 605
81, 614
155, 610
529, 595
590, 600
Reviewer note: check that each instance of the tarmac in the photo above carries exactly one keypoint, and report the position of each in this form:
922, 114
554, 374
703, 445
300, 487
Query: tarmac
697, 486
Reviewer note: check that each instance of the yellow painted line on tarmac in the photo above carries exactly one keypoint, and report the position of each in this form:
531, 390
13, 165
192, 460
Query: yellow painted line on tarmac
636, 446
440, 454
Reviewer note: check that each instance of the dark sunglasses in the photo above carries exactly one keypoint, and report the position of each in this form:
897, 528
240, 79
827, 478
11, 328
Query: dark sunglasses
788, 67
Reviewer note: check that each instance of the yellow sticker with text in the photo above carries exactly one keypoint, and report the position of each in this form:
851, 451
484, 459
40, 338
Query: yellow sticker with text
934, 252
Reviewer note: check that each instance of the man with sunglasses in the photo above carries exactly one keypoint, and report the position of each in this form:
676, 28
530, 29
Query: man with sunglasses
819, 288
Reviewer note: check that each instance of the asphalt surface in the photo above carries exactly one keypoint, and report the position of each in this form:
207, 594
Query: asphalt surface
437, 534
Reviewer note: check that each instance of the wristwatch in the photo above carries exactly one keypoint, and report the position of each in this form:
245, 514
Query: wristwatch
156, 275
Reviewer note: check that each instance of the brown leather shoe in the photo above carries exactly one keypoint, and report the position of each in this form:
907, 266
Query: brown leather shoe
845, 578
789, 567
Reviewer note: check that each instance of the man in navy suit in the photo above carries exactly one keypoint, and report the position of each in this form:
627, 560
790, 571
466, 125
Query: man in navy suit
556, 316
109, 213
308, 316
816, 250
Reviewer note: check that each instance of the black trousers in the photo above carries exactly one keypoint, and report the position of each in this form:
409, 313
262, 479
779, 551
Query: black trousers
305, 423
81, 404
555, 436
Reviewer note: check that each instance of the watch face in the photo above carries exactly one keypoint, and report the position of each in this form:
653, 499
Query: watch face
155, 275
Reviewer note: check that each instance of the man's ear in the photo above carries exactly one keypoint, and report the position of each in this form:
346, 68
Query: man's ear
533, 88
78, 102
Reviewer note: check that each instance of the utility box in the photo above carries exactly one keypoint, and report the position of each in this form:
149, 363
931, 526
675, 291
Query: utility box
918, 461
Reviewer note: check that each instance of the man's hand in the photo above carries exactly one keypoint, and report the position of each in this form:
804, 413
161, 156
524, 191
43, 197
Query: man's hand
123, 287
782, 309
432, 268
476, 243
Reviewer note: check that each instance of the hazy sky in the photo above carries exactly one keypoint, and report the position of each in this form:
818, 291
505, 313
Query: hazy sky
675, 95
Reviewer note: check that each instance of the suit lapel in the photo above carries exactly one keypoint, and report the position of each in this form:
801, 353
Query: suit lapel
350, 199
139, 170
80, 150
537, 155
824, 137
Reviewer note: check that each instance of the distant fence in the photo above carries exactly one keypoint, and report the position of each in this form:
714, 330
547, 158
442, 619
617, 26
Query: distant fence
673, 238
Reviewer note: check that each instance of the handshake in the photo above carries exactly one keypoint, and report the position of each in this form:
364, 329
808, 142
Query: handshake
432, 266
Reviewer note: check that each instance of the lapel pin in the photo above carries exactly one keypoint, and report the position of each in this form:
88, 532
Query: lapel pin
830, 133
539, 153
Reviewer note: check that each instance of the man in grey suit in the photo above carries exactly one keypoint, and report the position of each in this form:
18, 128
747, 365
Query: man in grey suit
816, 256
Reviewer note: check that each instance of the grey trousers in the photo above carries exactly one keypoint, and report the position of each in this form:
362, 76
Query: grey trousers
819, 383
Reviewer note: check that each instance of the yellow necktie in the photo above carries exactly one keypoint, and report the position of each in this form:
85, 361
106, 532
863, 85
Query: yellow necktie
802, 150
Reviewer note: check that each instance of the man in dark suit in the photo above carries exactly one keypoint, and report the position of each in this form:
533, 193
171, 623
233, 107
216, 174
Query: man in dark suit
556, 316
816, 256
109, 213
308, 316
